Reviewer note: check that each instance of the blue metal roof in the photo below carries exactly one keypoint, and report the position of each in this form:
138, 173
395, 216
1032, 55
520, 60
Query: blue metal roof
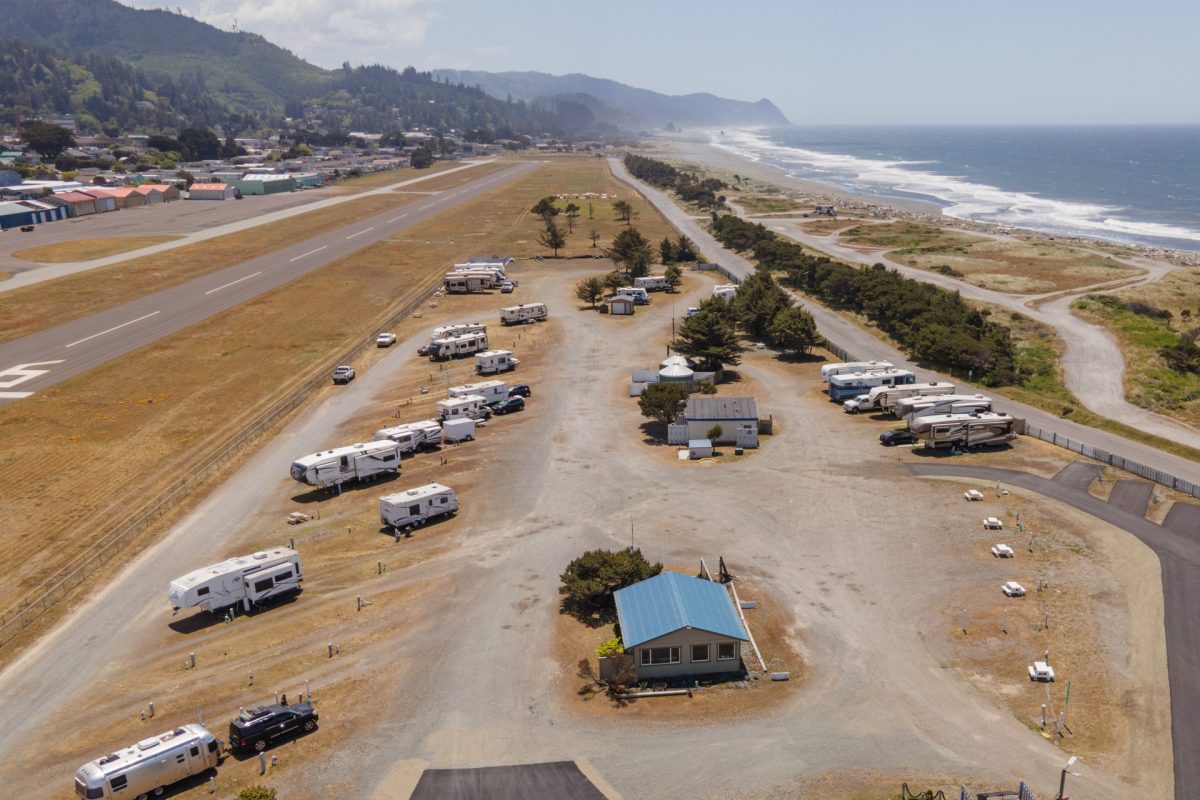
670, 601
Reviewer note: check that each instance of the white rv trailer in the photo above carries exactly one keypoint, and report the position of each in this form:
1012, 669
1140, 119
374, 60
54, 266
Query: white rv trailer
941, 404
469, 407
466, 282
652, 283
491, 362
462, 328
964, 430
350, 463
457, 430
247, 580
639, 295
496, 269
852, 384
150, 765
829, 370
455, 346
416, 506
492, 392
725, 291
413, 435
885, 397
515, 315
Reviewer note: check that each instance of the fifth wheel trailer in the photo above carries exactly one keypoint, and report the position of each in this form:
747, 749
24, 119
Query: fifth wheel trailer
941, 404
964, 430
459, 329
416, 506
351, 463
885, 397
150, 765
456, 346
244, 580
492, 392
413, 435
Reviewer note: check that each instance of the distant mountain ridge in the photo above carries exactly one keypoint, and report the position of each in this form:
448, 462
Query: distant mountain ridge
618, 103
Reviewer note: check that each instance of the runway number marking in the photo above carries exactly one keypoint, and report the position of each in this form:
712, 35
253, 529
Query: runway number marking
231, 283
309, 253
114, 328
15, 376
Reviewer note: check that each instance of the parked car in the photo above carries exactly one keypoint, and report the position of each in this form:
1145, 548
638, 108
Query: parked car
26, 229
1013, 589
856, 404
425, 349
520, 390
510, 405
506, 287
897, 436
691, 312
385, 340
343, 374
259, 728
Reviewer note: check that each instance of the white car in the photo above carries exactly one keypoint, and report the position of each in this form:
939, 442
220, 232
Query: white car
857, 404
691, 312
343, 374
385, 340
507, 287
1013, 589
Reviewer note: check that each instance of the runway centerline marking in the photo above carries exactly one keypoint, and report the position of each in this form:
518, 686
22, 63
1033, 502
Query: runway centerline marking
402, 216
431, 205
231, 283
360, 233
309, 253
114, 328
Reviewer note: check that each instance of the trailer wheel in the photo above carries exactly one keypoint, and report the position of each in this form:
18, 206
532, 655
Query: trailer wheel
159, 791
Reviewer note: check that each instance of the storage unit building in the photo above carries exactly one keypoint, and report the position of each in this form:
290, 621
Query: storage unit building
675, 626
17, 213
123, 196
210, 191
77, 204
264, 184
732, 414
621, 305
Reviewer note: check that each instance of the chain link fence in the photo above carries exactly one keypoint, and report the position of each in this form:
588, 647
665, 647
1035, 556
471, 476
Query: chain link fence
110, 538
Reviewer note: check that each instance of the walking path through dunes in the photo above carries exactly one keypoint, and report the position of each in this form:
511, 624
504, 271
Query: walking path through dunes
865, 346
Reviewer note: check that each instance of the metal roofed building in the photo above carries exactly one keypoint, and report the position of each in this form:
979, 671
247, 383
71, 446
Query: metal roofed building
730, 413
676, 625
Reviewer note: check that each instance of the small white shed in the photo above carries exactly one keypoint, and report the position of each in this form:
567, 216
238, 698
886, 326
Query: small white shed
621, 305
700, 448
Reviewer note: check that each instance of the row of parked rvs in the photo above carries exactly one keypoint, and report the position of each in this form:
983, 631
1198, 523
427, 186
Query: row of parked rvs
935, 413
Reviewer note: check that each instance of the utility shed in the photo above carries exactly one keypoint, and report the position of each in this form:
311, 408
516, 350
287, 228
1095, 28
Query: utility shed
732, 414
264, 184
620, 305
210, 191
676, 625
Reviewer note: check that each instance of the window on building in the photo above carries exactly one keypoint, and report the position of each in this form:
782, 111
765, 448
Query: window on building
653, 656
699, 653
726, 651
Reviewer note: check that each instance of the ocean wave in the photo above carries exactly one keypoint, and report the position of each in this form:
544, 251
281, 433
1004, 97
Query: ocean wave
961, 198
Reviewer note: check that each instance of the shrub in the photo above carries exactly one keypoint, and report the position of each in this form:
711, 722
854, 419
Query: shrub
611, 647
257, 793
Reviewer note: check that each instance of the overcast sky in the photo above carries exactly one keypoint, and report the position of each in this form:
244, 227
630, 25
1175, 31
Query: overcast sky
869, 61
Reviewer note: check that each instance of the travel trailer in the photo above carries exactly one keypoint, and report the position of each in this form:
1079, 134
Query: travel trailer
852, 384
652, 283
964, 430
150, 765
245, 580
416, 506
458, 430
457, 346
515, 315
413, 436
829, 370
467, 282
492, 392
885, 397
342, 464
725, 291
447, 331
492, 362
469, 407
940, 404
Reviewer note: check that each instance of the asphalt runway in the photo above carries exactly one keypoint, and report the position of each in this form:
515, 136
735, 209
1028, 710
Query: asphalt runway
42, 359
558, 780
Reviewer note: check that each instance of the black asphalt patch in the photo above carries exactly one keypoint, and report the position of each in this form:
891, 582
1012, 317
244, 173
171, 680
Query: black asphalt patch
556, 780
1131, 496
1184, 518
1078, 475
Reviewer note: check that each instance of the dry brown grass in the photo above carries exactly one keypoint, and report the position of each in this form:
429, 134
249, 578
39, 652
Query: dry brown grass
88, 249
373, 180
760, 203
34, 307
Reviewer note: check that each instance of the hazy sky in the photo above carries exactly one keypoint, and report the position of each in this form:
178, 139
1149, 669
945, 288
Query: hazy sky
921, 61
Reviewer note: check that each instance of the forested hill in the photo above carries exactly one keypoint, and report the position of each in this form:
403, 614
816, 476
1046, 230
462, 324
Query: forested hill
115, 66
620, 104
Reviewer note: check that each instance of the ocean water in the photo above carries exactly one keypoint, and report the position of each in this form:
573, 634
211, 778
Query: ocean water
1136, 184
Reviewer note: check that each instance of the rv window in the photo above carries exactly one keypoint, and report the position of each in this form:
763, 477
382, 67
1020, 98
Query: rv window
345, 463
390, 457
413, 510
442, 500
264, 585
212, 746
195, 751
283, 576
118, 782
179, 759
94, 793
203, 590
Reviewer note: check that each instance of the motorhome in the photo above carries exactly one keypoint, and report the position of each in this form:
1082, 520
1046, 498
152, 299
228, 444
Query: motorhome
350, 463
885, 397
467, 282
829, 370
413, 436
244, 580
457, 346
469, 407
492, 392
652, 283
416, 506
492, 362
964, 430
725, 291
940, 404
639, 295
515, 315
461, 329
150, 765
852, 384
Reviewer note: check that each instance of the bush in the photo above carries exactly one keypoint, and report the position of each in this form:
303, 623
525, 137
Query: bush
714, 433
257, 793
611, 647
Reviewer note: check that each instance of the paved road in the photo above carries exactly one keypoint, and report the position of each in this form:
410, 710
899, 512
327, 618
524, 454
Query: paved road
27, 273
1180, 559
42, 359
865, 346
558, 780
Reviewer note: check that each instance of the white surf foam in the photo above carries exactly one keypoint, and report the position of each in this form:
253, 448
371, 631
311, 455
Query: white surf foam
962, 198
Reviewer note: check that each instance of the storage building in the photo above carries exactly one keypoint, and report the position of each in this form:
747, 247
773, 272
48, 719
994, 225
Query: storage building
123, 196
77, 203
210, 191
256, 184
621, 305
734, 415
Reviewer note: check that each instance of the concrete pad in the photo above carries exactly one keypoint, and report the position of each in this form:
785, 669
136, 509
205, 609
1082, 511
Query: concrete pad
558, 780
1183, 518
1131, 496
1078, 475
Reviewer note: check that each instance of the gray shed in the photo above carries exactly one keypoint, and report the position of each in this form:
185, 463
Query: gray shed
732, 414
621, 305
